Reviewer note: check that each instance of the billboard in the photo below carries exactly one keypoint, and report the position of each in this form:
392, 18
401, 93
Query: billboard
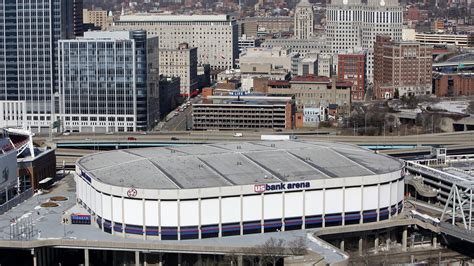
8, 164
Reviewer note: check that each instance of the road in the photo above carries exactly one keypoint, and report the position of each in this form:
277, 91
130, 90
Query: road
459, 138
183, 121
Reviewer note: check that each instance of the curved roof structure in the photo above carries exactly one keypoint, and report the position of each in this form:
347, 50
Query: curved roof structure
233, 164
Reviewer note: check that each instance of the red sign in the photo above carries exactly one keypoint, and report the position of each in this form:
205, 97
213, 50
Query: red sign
132, 193
259, 188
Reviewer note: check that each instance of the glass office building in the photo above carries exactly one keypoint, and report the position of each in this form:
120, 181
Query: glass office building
29, 35
103, 82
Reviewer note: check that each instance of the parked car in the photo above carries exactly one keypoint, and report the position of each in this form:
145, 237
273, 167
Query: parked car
132, 138
174, 138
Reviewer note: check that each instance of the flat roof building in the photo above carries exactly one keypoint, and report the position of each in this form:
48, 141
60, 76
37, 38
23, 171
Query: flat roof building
301, 46
403, 68
180, 62
457, 39
352, 67
277, 58
240, 188
100, 18
453, 84
215, 36
315, 91
104, 81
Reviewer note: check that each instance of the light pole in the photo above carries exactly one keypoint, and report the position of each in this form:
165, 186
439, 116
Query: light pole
365, 123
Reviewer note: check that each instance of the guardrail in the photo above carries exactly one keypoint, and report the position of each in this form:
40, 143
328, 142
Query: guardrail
16, 200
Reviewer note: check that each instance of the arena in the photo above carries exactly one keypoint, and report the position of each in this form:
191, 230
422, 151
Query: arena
237, 188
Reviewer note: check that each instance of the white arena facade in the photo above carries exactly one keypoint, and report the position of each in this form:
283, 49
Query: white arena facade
218, 190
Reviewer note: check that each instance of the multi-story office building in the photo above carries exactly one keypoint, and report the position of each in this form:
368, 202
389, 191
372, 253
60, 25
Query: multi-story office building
100, 18
248, 42
104, 82
28, 62
244, 112
351, 67
73, 9
325, 65
455, 39
315, 91
403, 68
278, 58
215, 36
352, 24
304, 20
271, 24
180, 62
301, 46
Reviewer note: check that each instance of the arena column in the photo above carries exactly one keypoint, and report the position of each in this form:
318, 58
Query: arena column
86, 257
199, 219
343, 216
404, 239
159, 219
283, 211
303, 218
361, 212
123, 216
378, 202
262, 213
220, 216
241, 214
144, 219
179, 220
323, 215
137, 258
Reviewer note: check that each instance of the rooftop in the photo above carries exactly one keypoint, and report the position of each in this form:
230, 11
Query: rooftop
246, 100
173, 18
311, 78
229, 164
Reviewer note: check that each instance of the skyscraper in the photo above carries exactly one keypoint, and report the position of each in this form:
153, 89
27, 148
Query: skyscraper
105, 82
352, 24
304, 20
29, 35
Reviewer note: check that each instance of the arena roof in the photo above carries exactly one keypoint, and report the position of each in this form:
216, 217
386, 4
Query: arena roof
233, 163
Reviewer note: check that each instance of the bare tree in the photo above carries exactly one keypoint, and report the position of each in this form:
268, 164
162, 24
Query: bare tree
298, 246
232, 258
250, 255
272, 251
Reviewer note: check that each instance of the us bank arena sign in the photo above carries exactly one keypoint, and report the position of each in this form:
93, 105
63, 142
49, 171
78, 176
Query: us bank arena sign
260, 188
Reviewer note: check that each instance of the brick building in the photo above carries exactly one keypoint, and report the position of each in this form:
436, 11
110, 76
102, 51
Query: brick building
453, 84
403, 67
351, 67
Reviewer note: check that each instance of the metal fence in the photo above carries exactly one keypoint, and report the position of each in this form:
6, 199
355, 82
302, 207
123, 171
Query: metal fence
16, 200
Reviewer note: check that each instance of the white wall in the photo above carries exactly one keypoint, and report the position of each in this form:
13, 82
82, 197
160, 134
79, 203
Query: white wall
240, 209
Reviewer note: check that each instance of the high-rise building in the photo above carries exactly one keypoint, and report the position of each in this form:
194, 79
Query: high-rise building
352, 24
29, 35
104, 81
304, 20
180, 62
403, 68
351, 67
74, 11
215, 36
99, 18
